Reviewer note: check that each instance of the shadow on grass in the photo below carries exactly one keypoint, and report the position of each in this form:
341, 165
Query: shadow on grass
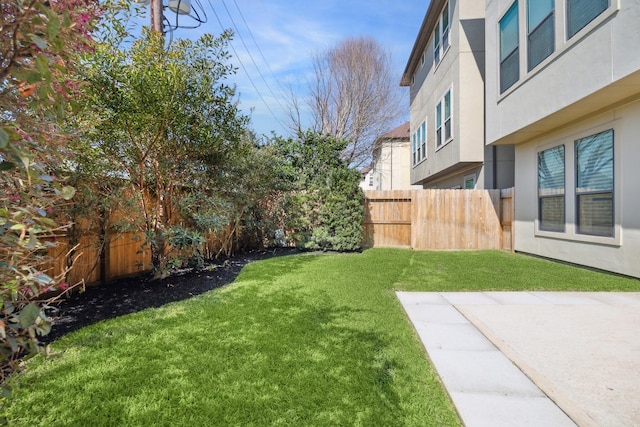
285, 358
133, 294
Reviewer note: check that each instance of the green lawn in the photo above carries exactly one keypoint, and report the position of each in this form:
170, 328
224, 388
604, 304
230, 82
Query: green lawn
305, 340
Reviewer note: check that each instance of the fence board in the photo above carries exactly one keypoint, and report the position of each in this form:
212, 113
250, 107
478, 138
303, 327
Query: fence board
439, 219
387, 219
126, 256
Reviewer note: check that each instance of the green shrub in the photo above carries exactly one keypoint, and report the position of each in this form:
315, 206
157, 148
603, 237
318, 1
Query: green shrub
325, 208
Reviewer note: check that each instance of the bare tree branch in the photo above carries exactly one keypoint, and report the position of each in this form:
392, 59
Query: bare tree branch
353, 95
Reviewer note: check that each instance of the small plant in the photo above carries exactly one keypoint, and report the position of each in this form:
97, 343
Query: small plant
187, 245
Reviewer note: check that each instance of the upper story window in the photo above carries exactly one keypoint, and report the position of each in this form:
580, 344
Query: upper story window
443, 120
509, 56
581, 12
419, 143
540, 31
441, 35
423, 139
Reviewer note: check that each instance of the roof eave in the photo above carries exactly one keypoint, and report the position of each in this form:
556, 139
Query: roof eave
428, 24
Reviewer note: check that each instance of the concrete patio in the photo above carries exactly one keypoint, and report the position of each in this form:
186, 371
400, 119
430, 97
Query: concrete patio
534, 358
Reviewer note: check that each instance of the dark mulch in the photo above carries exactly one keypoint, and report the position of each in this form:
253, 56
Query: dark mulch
133, 294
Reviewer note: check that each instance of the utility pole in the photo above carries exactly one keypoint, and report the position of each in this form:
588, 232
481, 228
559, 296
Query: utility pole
156, 16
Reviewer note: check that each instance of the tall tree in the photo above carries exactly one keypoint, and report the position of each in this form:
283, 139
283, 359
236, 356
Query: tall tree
166, 121
354, 96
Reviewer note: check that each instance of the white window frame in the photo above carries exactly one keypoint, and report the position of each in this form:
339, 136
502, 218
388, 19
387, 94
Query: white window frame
516, 51
442, 35
586, 192
570, 233
442, 126
414, 148
578, 31
530, 31
563, 42
423, 139
542, 196
419, 144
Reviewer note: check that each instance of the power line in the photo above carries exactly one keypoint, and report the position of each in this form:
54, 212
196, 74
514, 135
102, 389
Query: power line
245, 69
251, 56
258, 47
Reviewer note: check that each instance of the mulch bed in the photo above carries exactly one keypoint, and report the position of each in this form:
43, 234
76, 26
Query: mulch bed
129, 295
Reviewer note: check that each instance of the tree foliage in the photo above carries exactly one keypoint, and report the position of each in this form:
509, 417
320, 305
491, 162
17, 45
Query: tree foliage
39, 44
353, 96
324, 209
164, 121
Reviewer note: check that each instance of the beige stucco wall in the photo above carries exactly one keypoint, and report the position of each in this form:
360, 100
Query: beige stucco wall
457, 179
589, 84
392, 167
568, 85
365, 183
461, 69
619, 254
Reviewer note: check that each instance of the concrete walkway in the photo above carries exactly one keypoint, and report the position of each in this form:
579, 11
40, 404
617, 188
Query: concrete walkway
534, 358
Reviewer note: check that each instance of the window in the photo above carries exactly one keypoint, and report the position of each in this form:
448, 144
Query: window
581, 12
443, 120
419, 143
414, 147
423, 140
594, 184
422, 59
441, 35
509, 56
551, 187
370, 180
469, 182
540, 31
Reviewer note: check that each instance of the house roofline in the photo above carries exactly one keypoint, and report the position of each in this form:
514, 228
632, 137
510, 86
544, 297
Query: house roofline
428, 24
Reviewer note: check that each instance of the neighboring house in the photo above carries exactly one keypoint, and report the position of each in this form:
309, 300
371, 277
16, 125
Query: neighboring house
446, 74
391, 165
366, 179
564, 86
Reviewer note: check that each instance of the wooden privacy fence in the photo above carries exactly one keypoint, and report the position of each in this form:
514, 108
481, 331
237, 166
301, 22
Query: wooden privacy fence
439, 219
123, 255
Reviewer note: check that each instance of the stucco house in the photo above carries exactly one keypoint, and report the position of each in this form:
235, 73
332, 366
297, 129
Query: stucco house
391, 167
366, 179
445, 73
563, 86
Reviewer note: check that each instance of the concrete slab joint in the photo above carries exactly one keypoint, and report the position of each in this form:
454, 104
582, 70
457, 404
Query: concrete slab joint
533, 358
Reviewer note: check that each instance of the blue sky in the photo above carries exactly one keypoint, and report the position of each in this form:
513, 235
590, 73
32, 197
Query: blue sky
282, 35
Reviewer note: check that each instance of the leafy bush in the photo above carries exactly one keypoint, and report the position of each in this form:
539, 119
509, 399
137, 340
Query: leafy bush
187, 246
341, 213
37, 86
325, 209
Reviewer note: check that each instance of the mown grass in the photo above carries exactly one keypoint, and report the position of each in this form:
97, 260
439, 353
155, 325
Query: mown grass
305, 340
